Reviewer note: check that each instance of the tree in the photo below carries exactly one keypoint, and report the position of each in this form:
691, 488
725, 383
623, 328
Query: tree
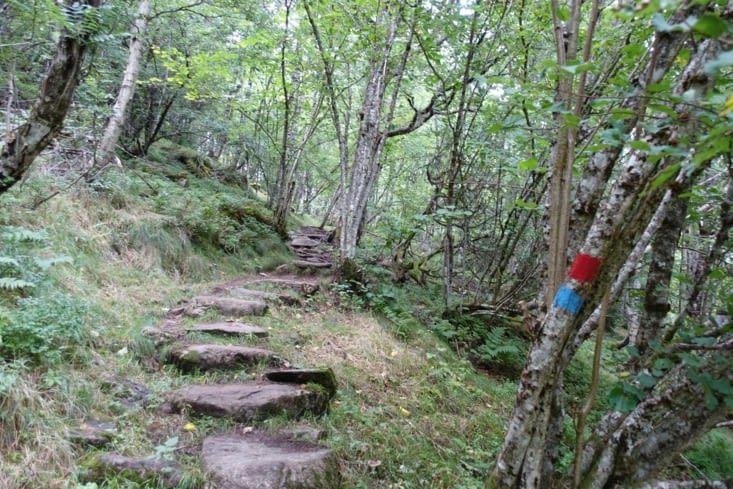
683, 395
25, 142
127, 88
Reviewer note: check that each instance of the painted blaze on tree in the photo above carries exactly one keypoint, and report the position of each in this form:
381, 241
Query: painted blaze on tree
671, 133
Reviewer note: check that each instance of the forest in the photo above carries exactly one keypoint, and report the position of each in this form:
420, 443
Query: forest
491, 240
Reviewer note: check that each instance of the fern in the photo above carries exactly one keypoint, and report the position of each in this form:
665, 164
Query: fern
6, 260
19, 234
10, 283
45, 263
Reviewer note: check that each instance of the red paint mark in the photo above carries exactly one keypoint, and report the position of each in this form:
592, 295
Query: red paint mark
584, 268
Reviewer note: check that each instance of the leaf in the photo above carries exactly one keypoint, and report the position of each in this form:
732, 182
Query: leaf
646, 381
710, 25
577, 68
705, 340
523, 204
640, 145
46, 263
624, 397
724, 59
663, 364
6, 260
661, 25
727, 107
665, 175
717, 274
10, 283
528, 165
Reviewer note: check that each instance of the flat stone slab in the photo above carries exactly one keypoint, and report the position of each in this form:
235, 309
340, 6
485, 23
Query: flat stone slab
304, 242
167, 474
249, 294
259, 460
321, 376
252, 401
93, 433
226, 305
228, 328
213, 356
311, 264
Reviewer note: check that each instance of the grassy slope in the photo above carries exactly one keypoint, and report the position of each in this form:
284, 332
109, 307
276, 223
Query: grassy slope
409, 413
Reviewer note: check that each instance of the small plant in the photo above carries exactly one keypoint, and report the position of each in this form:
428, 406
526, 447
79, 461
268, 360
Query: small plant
167, 450
45, 329
20, 270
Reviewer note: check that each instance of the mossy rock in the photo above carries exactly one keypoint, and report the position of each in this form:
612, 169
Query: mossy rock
314, 379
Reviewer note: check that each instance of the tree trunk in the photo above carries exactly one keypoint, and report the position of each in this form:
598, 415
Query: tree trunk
127, 88
656, 297
369, 144
626, 212
25, 142
629, 449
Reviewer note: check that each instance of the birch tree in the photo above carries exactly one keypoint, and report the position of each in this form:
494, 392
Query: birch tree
127, 88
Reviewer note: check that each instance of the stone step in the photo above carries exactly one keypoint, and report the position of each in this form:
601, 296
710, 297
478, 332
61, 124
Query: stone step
213, 356
249, 294
304, 286
225, 305
311, 264
304, 242
252, 401
321, 376
268, 461
229, 328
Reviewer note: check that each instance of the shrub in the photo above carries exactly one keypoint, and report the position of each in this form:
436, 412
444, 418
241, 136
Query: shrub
45, 329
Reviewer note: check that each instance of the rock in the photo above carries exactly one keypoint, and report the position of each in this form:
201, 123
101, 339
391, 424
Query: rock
265, 461
311, 264
242, 293
304, 242
166, 473
227, 306
129, 393
321, 376
214, 356
247, 402
307, 433
227, 328
93, 433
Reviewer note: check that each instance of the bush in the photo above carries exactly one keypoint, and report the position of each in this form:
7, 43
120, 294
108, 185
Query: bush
45, 329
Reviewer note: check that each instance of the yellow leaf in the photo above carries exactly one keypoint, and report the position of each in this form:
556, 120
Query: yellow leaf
190, 427
728, 106
404, 412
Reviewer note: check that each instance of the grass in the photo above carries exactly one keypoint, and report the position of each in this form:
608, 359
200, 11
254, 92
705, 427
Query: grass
402, 410
409, 412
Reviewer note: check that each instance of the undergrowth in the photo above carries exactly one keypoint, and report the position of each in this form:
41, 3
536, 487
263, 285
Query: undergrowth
94, 265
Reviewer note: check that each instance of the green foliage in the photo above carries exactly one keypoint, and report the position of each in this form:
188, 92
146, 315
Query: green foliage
233, 226
19, 268
500, 348
713, 455
45, 329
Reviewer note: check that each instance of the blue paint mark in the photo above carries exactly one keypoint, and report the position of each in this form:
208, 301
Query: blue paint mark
569, 300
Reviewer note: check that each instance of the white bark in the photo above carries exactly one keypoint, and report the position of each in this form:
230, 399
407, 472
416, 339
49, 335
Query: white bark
616, 227
127, 89
369, 146
701, 484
